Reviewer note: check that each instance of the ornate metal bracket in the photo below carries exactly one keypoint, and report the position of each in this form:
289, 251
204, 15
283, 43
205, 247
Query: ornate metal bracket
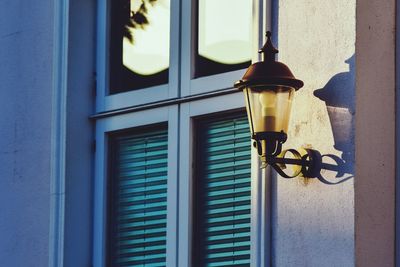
270, 150
308, 165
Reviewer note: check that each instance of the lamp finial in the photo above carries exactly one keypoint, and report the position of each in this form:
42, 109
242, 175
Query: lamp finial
268, 49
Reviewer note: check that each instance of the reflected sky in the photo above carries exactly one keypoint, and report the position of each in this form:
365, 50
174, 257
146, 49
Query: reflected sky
149, 53
225, 30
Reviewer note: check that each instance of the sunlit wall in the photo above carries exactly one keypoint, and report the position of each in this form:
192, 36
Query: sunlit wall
313, 220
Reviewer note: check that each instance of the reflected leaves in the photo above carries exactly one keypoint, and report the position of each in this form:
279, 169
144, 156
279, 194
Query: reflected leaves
139, 44
138, 18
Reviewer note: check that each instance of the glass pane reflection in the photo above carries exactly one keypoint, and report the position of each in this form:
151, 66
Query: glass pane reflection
224, 36
139, 44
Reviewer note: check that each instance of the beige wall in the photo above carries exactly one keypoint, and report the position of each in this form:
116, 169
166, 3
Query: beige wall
375, 134
352, 223
313, 222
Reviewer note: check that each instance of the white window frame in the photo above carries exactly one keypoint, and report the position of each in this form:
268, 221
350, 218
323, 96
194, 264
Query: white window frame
261, 179
180, 118
194, 86
106, 102
261, 186
188, 114
127, 121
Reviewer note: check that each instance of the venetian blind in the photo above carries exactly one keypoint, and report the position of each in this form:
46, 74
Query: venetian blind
222, 216
139, 200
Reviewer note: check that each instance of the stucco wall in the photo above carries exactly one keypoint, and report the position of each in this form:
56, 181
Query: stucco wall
26, 34
375, 141
313, 221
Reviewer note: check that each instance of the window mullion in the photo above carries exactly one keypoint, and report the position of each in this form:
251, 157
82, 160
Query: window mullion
261, 185
172, 198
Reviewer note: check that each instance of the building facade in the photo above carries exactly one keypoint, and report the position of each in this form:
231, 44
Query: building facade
108, 161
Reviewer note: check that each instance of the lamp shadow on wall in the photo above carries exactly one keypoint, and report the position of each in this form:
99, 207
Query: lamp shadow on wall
338, 95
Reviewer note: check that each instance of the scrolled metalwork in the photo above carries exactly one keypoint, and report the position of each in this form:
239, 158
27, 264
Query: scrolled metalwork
308, 165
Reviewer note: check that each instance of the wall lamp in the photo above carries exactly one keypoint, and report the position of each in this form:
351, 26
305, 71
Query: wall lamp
269, 87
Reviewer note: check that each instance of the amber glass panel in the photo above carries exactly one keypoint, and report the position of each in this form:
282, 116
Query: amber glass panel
139, 44
223, 36
269, 108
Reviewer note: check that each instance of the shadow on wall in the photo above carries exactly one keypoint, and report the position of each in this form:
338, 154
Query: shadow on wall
338, 95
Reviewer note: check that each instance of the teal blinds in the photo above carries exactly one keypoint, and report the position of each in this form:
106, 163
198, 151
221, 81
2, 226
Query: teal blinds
138, 200
222, 209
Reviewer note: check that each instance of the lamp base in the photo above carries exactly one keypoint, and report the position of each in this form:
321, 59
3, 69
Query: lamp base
269, 144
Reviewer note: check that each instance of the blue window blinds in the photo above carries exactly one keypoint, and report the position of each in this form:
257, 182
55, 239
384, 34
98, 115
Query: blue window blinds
222, 193
138, 199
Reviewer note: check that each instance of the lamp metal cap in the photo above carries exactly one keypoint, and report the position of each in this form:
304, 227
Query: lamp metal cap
269, 71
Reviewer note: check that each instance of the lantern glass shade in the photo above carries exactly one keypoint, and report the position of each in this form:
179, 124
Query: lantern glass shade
268, 107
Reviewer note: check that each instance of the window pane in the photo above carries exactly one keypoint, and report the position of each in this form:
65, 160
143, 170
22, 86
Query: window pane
224, 36
138, 199
222, 194
139, 44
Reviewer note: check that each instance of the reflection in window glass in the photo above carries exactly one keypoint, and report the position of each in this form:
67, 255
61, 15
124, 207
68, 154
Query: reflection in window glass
224, 36
139, 44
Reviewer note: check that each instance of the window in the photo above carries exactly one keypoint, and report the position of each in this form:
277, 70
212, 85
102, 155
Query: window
137, 198
137, 52
216, 43
195, 118
175, 115
136, 151
223, 36
222, 193
136, 60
